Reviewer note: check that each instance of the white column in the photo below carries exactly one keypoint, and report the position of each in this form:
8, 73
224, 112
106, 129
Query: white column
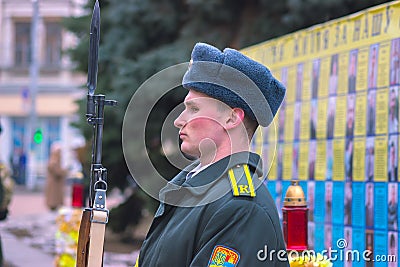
8, 40
1, 32
6, 140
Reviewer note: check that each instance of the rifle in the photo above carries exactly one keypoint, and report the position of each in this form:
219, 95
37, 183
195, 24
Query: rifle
95, 217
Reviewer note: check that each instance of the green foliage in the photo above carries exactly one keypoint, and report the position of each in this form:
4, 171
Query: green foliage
128, 211
142, 37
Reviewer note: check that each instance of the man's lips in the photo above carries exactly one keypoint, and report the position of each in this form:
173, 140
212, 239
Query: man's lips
181, 132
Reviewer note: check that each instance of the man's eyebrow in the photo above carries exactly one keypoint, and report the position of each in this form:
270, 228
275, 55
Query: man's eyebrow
190, 103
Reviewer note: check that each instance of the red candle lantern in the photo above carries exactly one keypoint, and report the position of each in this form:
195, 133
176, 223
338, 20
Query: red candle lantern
295, 218
77, 191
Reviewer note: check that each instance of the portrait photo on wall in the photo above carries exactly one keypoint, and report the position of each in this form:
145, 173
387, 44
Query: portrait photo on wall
266, 132
393, 158
331, 117
299, 81
333, 75
266, 158
313, 119
373, 65
311, 200
371, 108
312, 154
284, 76
393, 248
295, 160
281, 122
352, 70
280, 161
328, 201
297, 114
328, 236
395, 62
369, 205
278, 197
393, 206
348, 199
369, 159
315, 78
369, 245
311, 235
351, 106
329, 160
348, 160
393, 109
348, 232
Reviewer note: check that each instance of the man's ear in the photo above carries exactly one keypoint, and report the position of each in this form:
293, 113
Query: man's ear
235, 118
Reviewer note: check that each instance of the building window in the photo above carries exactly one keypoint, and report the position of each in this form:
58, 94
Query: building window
53, 45
22, 44
51, 129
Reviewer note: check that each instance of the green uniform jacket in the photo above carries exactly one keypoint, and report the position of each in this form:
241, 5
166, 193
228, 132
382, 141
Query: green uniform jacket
223, 216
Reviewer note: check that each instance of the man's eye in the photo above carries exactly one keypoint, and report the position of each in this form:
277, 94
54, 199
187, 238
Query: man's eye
194, 109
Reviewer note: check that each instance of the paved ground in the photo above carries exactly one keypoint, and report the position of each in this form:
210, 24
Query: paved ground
28, 235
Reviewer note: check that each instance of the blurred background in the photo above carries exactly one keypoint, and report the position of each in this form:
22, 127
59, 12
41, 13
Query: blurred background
43, 65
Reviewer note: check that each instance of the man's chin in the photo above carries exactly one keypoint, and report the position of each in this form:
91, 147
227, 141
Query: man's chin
188, 154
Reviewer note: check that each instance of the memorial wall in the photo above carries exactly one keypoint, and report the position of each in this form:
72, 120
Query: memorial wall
338, 129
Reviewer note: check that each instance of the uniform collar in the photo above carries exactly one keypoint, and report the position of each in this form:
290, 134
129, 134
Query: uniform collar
193, 192
216, 170
196, 170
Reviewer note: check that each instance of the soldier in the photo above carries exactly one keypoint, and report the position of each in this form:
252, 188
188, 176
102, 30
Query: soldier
217, 212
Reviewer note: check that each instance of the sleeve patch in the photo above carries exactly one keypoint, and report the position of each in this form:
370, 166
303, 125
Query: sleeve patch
223, 256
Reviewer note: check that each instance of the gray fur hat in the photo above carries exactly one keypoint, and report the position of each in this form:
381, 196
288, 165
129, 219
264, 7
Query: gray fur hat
236, 80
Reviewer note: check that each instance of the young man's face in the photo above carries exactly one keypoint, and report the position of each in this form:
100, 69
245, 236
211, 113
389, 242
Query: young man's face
352, 63
350, 113
201, 124
392, 154
392, 102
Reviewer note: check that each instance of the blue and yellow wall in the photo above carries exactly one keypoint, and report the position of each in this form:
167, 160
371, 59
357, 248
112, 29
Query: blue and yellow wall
338, 130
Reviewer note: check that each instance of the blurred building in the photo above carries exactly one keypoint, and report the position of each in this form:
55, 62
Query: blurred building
57, 87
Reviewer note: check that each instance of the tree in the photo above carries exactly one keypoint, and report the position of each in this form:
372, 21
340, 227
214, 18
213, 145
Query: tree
142, 37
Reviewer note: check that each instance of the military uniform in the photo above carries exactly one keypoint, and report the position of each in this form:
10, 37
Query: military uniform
224, 216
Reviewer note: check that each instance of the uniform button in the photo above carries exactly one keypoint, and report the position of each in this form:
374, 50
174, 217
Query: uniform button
238, 166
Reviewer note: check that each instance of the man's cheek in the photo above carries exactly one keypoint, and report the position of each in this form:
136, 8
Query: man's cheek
198, 126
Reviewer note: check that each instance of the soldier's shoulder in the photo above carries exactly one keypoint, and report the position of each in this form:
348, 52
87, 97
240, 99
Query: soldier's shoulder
243, 181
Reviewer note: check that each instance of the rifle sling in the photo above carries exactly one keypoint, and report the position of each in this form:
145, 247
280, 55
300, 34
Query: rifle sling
97, 232
91, 238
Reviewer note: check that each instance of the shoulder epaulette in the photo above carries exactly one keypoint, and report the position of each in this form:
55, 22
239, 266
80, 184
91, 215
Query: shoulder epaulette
241, 181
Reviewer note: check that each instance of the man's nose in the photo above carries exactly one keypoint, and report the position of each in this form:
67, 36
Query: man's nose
178, 123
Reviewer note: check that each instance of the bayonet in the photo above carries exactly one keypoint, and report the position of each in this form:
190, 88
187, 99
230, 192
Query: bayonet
94, 49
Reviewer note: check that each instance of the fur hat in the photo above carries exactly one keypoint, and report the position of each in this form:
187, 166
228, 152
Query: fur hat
236, 80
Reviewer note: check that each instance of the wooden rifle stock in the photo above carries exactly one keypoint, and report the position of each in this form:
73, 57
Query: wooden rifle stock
91, 238
84, 239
